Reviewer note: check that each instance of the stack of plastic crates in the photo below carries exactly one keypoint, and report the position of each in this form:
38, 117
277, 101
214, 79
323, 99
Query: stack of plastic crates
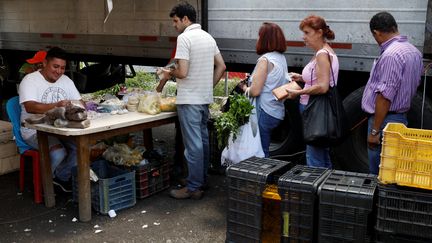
405, 208
346, 203
404, 214
114, 190
298, 191
406, 156
151, 179
247, 181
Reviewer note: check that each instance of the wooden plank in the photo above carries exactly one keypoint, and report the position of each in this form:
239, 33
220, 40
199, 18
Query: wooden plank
84, 192
45, 168
111, 122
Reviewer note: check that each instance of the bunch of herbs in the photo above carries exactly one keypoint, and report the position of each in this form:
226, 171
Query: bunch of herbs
229, 122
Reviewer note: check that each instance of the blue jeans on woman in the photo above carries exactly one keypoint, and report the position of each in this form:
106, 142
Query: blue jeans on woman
374, 154
317, 156
266, 124
193, 123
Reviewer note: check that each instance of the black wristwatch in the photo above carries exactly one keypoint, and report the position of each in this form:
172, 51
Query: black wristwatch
374, 132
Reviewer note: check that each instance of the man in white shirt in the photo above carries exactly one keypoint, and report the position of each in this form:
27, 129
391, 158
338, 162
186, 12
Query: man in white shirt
41, 91
199, 67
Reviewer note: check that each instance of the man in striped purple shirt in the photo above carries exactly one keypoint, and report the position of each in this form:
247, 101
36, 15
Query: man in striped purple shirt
392, 84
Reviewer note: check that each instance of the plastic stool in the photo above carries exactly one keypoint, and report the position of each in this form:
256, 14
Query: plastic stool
37, 185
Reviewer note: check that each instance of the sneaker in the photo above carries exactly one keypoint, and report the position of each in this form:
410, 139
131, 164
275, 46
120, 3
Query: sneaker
184, 193
183, 182
65, 186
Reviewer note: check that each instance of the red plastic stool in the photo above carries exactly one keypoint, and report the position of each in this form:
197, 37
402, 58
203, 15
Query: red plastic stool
34, 155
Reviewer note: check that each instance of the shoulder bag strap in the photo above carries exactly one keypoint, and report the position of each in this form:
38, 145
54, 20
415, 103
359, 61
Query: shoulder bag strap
331, 68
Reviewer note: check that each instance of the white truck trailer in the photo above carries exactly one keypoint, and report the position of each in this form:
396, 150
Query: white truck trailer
140, 32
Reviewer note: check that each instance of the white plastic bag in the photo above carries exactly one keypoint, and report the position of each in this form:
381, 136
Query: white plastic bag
246, 145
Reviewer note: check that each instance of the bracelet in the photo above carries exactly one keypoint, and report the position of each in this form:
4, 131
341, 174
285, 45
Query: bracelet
374, 132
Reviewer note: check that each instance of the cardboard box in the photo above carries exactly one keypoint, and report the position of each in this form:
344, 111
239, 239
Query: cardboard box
9, 164
8, 149
6, 134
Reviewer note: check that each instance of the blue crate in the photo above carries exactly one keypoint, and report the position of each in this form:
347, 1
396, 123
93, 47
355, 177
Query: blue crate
114, 190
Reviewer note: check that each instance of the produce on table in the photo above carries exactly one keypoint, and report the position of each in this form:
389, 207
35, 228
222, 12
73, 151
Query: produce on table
168, 104
149, 103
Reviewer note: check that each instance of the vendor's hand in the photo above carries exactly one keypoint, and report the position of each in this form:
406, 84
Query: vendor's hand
165, 74
242, 86
296, 77
62, 103
373, 141
293, 93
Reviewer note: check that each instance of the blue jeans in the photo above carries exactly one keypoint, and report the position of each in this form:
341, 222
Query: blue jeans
266, 124
62, 158
193, 124
317, 156
374, 154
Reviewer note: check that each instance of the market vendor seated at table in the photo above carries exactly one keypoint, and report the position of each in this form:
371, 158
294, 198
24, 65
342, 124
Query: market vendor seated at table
41, 91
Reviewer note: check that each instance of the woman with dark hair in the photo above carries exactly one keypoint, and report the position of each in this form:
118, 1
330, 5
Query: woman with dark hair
318, 75
269, 73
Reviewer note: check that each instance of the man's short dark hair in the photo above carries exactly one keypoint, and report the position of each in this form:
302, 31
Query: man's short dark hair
184, 9
383, 22
56, 52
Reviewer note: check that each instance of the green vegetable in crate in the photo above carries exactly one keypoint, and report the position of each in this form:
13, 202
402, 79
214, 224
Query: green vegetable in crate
230, 122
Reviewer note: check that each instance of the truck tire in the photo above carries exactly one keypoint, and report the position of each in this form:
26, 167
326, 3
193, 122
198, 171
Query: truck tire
352, 153
287, 138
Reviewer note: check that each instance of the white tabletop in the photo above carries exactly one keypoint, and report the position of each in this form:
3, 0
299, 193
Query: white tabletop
105, 123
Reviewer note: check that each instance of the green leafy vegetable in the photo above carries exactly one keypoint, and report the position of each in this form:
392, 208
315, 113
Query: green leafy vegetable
219, 89
230, 122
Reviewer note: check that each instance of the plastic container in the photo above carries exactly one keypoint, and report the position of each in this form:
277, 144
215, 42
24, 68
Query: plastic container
151, 179
298, 191
115, 189
246, 183
346, 203
406, 156
271, 220
405, 211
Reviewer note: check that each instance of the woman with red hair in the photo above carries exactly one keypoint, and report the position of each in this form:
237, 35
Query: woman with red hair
318, 75
269, 73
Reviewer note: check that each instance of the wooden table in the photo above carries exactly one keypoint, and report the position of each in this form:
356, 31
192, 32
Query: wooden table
100, 128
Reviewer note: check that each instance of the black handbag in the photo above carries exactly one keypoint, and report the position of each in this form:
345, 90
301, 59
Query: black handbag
325, 122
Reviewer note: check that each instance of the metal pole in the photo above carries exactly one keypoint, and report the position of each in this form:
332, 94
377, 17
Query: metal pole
226, 83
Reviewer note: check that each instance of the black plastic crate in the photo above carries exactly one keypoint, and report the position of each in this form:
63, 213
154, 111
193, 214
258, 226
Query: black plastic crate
151, 179
246, 183
346, 203
403, 210
384, 237
114, 190
299, 202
